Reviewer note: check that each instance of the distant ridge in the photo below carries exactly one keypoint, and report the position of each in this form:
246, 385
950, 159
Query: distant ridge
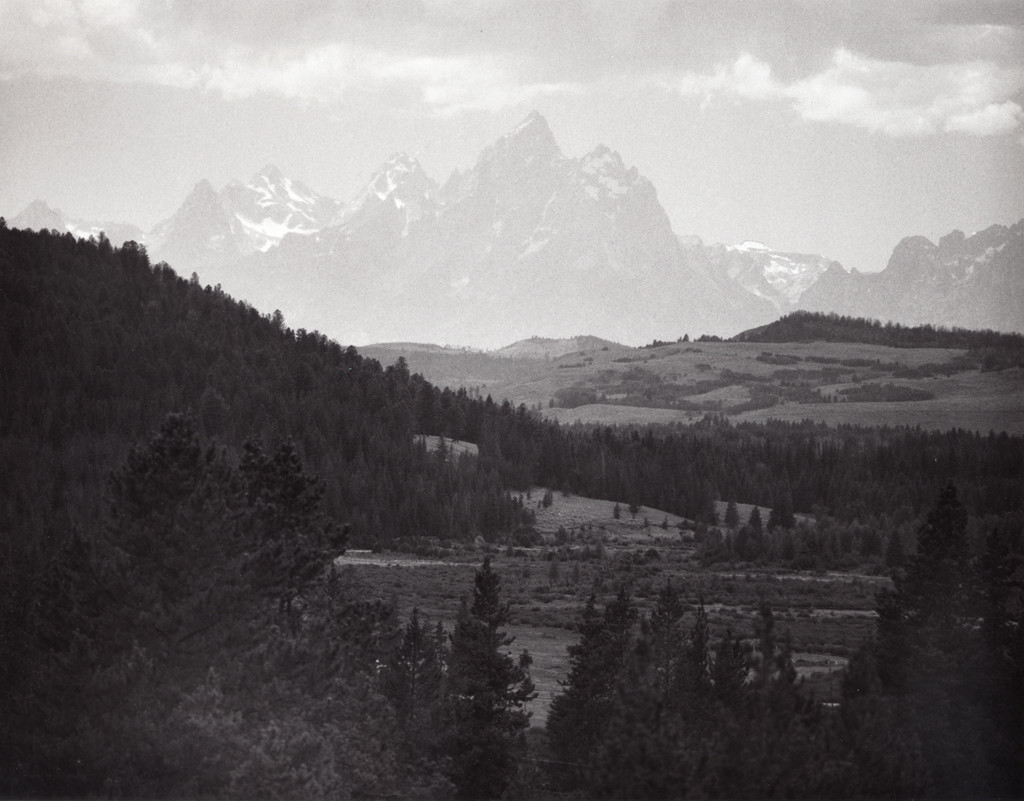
546, 348
419, 347
529, 240
804, 326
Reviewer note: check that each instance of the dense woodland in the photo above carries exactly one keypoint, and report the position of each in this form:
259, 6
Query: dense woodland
179, 470
800, 326
652, 708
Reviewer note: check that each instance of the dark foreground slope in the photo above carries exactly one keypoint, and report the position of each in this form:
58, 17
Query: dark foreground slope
180, 469
178, 472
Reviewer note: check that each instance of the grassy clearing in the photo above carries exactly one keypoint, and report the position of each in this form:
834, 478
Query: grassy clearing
826, 615
683, 381
456, 447
587, 518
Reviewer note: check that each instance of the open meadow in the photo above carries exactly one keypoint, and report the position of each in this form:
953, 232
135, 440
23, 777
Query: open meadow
587, 549
830, 382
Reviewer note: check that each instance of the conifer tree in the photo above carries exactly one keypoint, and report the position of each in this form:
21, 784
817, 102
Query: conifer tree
291, 533
730, 669
755, 522
579, 714
894, 550
642, 751
179, 541
413, 680
667, 641
732, 515
486, 693
699, 659
935, 659
775, 743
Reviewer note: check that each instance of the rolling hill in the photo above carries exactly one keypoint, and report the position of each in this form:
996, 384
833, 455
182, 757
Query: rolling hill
862, 383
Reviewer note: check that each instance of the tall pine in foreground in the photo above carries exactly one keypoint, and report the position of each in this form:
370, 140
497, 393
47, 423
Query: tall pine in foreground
579, 714
413, 680
486, 693
949, 657
167, 664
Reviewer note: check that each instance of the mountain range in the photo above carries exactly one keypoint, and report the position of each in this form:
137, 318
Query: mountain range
530, 242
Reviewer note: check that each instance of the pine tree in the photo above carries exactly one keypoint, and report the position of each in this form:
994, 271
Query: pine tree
413, 680
732, 515
292, 534
641, 753
755, 520
579, 714
175, 523
934, 660
775, 743
699, 661
885, 751
667, 641
729, 669
486, 693
894, 550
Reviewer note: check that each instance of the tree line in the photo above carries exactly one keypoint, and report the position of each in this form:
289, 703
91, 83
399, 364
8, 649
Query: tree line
804, 326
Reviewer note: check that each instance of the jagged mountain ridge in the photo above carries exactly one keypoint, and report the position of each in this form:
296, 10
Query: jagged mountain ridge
778, 277
529, 238
972, 281
211, 228
529, 241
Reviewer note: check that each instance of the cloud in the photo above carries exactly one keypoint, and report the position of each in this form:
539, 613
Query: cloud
311, 58
890, 97
904, 76
995, 118
327, 74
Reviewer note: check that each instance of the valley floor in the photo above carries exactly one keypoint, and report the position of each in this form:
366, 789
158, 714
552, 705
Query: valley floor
826, 614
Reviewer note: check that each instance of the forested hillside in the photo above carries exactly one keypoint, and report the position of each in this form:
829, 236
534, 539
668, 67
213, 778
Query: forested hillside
803, 326
98, 346
179, 470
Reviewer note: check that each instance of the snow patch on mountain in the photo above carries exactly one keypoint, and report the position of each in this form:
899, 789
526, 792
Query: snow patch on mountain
776, 276
752, 246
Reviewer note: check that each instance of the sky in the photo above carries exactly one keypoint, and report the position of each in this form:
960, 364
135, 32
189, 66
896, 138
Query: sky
835, 128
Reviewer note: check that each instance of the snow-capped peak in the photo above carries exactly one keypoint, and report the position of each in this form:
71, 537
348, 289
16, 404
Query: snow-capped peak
781, 278
396, 172
400, 185
242, 217
750, 245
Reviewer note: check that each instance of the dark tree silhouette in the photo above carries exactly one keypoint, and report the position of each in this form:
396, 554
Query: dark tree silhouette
486, 692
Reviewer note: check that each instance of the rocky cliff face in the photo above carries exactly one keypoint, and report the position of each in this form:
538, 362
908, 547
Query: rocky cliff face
965, 281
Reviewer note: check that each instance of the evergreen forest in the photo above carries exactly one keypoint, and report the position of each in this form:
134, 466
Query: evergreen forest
180, 472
